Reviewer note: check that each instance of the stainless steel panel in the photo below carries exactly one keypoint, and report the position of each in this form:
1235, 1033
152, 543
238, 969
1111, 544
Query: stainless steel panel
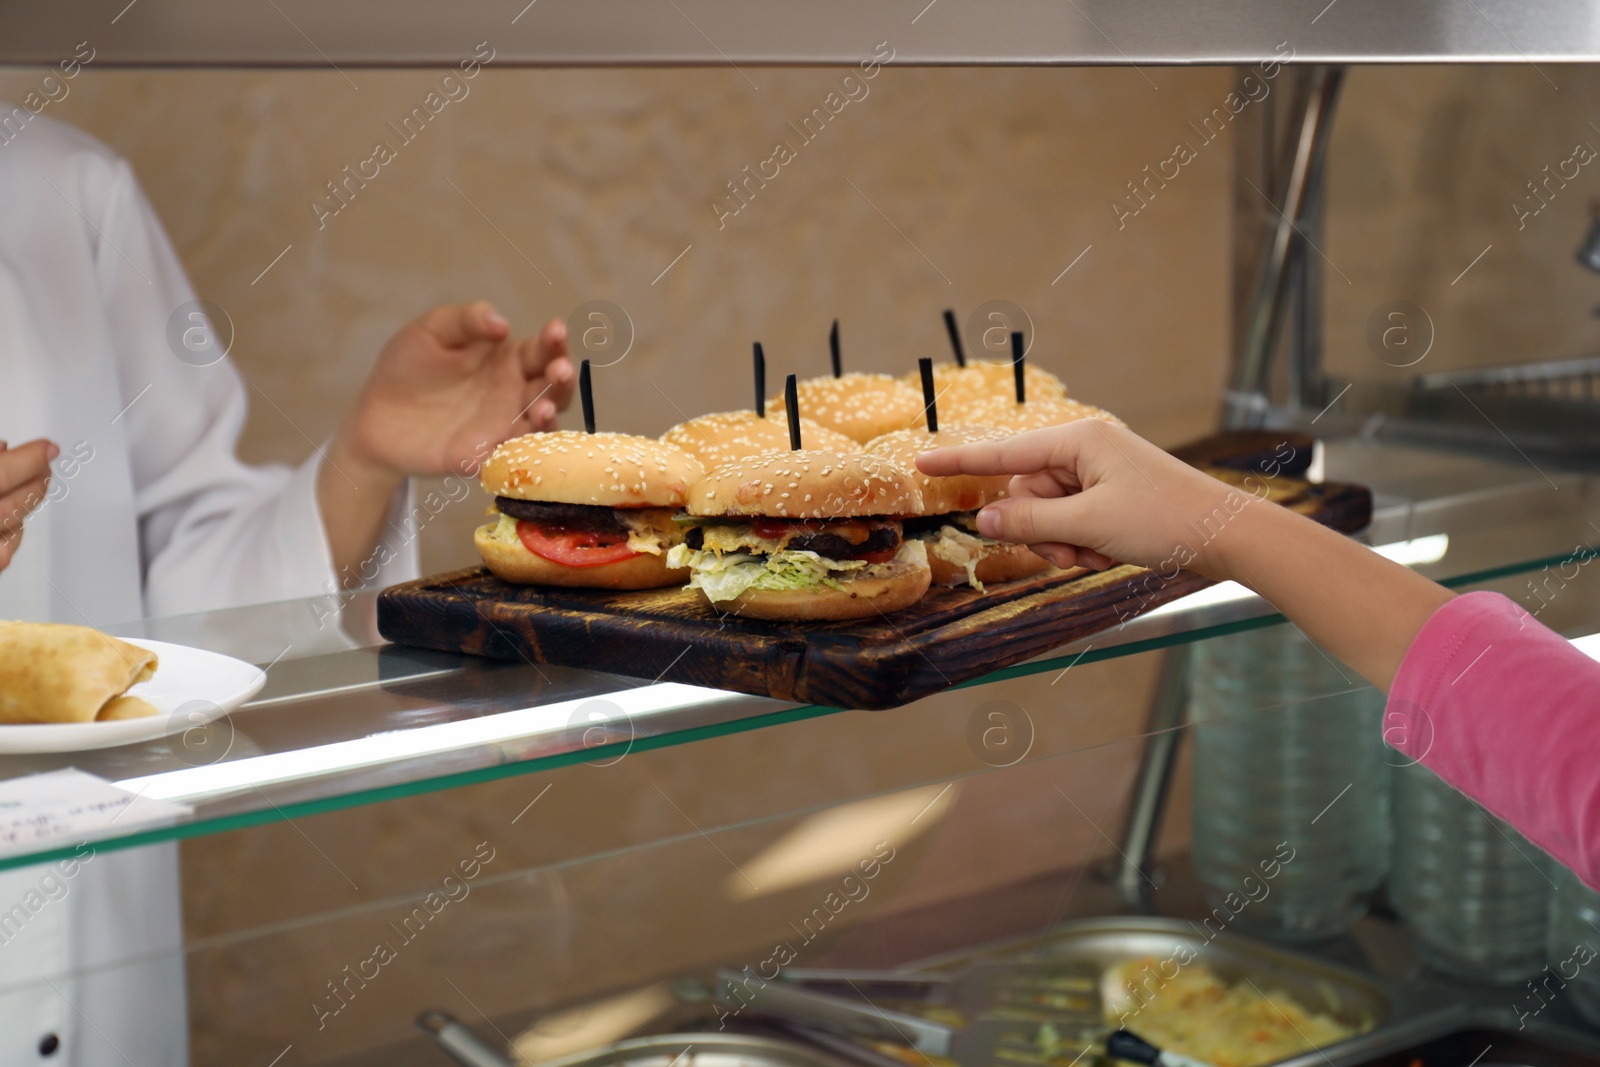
316, 33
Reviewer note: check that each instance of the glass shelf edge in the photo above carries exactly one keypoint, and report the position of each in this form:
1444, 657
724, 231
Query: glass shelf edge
417, 787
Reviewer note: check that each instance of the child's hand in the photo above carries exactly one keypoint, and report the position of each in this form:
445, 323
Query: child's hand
1090, 493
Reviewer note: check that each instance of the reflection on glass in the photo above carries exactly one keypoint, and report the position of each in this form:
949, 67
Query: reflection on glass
1473, 890
1573, 950
1291, 799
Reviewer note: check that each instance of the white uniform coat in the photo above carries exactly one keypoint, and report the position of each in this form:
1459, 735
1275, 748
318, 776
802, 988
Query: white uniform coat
151, 513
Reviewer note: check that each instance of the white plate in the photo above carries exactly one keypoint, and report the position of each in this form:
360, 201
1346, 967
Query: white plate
190, 687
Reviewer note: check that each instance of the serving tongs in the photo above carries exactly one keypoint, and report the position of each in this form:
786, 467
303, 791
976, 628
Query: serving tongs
978, 989
1126, 1045
978, 1016
464, 1046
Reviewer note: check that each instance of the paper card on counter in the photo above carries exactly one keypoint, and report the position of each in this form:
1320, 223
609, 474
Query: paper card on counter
68, 806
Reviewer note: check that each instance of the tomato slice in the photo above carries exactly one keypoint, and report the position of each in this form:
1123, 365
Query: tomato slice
574, 548
883, 555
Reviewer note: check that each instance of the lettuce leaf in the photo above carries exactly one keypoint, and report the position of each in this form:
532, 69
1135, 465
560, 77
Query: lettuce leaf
726, 576
505, 529
962, 549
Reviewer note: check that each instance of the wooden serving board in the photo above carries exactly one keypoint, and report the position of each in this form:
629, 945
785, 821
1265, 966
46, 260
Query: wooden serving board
950, 637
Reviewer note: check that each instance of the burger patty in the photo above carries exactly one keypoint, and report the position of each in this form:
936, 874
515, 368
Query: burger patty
589, 517
927, 524
883, 539
829, 545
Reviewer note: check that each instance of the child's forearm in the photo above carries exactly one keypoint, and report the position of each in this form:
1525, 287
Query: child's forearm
1360, 607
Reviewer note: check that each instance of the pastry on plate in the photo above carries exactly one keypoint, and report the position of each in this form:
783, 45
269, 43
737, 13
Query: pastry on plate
56, 673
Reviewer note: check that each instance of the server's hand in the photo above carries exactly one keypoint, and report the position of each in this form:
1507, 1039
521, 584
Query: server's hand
451, 383
24, 481
445, 390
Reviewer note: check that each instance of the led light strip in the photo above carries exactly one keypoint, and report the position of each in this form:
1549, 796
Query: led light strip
375, 749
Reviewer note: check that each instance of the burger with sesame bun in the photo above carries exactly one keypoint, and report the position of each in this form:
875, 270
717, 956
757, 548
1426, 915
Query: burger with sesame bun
962, 382
805, 534
1006, 413
860, 406
586, 509
957, 553
730, 435
959, 387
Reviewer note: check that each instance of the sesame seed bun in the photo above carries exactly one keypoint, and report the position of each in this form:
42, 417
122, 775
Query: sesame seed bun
605, 469
807, 485
1001, 563
1004, 412
956, 386
514, 563
860, 406
730, 435
960, 492
860, 598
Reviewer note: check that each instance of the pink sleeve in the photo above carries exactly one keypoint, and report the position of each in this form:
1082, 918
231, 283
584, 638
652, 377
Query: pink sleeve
1508, 712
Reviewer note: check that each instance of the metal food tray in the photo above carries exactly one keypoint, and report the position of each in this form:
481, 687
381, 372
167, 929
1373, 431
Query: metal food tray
1348, 996
1404, 1003
699, 1050
1400, 1005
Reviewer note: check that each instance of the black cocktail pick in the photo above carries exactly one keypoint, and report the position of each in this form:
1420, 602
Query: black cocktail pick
791, 402
1017, 365
586, 395
955, 337
760, 360
929, 401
